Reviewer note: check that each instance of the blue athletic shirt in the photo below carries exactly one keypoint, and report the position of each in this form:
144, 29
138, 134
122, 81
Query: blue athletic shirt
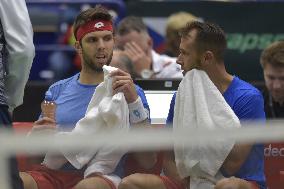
247, 103
72, 99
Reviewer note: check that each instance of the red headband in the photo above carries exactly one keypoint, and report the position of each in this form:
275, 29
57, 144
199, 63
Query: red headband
92, 26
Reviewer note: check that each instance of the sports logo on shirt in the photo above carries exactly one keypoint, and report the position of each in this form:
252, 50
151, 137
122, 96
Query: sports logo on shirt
99, 24
137, 113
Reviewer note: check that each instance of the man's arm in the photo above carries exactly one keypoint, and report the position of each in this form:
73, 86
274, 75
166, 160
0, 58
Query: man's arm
139, 118
170, 169
138, 113
19, 37
45, 126
236, 158
250, 109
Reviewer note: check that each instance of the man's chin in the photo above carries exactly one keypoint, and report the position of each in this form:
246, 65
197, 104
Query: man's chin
277, 98
97, 68
185, 71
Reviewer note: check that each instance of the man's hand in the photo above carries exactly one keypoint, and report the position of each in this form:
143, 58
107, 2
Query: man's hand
44, 125
122, 82
140, 59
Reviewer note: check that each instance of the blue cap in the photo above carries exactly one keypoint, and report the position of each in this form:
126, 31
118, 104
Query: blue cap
48, 96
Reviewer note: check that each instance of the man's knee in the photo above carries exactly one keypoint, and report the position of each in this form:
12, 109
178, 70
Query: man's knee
131, 182
93, 183
126, 184
141, 181
233, 183
84, 184
28, 181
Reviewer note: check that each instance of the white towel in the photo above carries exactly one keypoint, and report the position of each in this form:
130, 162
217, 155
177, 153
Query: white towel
199, 104
105, 112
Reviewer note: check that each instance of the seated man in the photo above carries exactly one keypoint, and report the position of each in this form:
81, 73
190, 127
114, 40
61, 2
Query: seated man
203, 46
94, 43
245, 100
272, 62
133, 38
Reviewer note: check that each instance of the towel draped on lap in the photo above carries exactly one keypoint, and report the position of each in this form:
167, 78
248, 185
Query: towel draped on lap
105, 112
199, 104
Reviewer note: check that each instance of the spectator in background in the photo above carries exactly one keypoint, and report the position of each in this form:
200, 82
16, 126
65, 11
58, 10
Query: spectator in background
122, 61
272, 62
16, 56
175, 22
133, 38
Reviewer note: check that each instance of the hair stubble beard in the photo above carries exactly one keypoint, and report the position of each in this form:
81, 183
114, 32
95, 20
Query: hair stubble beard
91, 63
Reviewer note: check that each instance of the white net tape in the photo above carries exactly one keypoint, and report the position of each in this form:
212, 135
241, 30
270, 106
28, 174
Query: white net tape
136, 139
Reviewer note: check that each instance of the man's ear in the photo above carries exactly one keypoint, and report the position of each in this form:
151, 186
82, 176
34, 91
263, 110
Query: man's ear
207, 57
78, 47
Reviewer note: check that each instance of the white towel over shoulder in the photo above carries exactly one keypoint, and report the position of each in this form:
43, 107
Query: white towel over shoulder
105, 111
199, 104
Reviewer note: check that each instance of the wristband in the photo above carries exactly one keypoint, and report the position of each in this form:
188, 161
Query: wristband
137, 112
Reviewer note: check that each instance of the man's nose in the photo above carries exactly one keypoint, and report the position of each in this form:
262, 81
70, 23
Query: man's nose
101, 44
178, 61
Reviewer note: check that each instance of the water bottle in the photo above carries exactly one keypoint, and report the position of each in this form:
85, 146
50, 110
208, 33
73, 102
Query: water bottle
48, 106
